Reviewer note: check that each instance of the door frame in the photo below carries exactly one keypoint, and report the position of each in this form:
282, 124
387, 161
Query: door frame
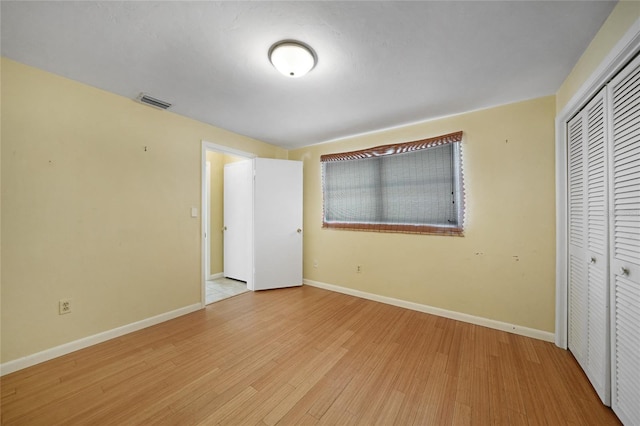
621, 54
204, 186
206, 219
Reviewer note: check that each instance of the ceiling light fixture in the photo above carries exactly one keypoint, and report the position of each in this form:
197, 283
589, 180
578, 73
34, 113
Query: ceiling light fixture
292, 58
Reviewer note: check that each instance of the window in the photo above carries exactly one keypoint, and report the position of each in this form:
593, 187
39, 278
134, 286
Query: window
413, 187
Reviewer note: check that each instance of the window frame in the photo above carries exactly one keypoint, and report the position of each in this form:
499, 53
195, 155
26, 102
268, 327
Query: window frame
454, 138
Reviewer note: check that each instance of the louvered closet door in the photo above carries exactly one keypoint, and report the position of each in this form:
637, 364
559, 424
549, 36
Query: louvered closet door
598, 353
588, 235
624, 100
577, 241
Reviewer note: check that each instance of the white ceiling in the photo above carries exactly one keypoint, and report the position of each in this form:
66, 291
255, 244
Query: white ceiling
380, 64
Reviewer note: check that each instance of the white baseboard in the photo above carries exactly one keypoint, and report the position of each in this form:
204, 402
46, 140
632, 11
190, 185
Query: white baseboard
215, 276
46, 355
485, 322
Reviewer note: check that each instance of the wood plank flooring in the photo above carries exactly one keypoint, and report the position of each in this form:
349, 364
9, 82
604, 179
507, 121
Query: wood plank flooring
312, 357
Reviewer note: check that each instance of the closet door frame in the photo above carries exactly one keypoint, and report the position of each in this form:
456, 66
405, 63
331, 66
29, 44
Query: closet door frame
622, 53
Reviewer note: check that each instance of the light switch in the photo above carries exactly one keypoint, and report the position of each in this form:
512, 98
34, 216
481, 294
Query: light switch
194, 212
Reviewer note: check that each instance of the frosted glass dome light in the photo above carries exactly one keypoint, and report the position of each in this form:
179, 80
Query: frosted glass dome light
292, 58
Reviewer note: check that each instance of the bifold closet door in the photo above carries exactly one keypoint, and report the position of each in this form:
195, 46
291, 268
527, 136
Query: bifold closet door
598, 353
624, 102
577, 332
588, 237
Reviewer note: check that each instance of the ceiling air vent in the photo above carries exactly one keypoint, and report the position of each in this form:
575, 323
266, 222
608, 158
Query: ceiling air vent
156, 103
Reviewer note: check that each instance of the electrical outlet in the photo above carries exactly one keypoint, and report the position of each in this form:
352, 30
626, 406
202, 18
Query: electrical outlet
64, 306
315, 264
358, 269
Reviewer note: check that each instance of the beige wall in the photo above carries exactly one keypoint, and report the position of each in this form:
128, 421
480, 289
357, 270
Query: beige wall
0, 214
216, 186
617, 24
88, 214
504, 266
216, 208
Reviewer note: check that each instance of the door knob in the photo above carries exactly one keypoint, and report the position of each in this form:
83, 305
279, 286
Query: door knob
224, 229
299, 231
624, 271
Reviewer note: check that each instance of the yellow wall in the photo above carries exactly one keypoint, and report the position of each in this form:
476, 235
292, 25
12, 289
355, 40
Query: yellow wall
216, 186
617, 24
504, 266
88, 214
216, 208
0, 214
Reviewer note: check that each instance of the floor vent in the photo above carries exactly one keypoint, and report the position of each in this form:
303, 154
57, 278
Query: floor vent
156, 103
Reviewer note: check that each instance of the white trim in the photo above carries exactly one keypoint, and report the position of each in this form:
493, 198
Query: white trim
458, 316
206, 218
215, 276
624, 50
209, 146
562, 249
46, 355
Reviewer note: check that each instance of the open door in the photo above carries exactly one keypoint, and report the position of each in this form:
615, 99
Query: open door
277, 220
238, 194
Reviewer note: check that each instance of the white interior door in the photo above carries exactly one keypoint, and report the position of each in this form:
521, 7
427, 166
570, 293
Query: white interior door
277, 223
598, 354
577, 330
625, 244
238, 197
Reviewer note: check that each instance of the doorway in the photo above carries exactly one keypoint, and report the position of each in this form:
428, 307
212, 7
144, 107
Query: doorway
274, 254
215, 286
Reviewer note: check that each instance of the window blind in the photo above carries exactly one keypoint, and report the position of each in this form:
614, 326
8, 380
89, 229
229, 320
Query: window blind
412, 187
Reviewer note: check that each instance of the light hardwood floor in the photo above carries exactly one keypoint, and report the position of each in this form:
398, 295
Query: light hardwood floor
307, 356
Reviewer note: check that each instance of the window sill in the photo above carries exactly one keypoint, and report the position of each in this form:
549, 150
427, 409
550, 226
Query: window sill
397, 228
